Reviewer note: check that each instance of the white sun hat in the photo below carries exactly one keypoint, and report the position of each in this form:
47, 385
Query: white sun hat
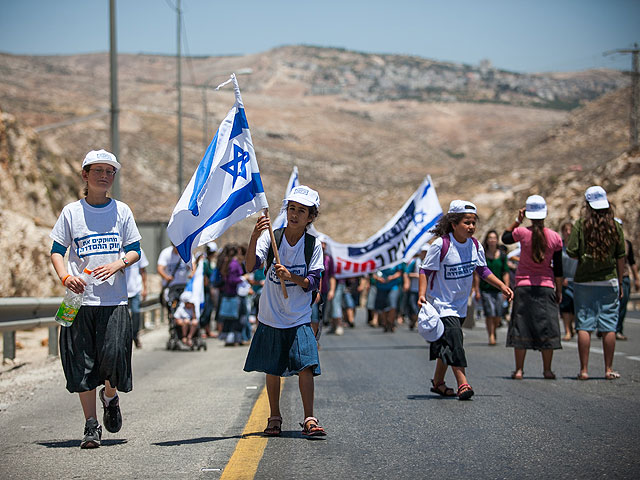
597, 197
304, 195
101, 156
536, 208
430, 327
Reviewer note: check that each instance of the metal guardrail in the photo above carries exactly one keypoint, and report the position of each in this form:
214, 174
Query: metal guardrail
24, 313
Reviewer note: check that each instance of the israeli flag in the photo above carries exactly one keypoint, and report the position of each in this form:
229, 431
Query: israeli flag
281, 219
225, 188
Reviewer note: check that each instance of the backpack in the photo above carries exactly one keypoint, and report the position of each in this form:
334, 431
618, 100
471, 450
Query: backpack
446, 241
309, 245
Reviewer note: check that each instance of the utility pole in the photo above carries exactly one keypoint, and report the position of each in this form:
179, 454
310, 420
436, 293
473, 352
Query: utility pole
113, 59
179, 62
635, 93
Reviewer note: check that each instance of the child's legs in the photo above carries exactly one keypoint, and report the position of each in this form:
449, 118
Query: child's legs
460, 375
305, 383
519, 354
273, 392
441, 369
193, 329
88, 402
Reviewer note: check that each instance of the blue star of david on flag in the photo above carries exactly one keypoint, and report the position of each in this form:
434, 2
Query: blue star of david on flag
237, 167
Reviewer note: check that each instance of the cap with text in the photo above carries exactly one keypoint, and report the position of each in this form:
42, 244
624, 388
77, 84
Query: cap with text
462, 206
101, 156
597, 197
536, 208
305, 196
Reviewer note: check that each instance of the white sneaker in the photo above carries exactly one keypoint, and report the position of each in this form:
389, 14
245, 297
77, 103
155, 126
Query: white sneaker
339, 330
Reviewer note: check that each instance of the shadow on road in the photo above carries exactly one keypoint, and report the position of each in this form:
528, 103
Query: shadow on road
376, 347
76, 443
189, 441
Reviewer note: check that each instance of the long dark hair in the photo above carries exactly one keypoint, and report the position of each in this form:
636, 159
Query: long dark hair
485, 242
600, 231
444, 225
225, 257
538, 241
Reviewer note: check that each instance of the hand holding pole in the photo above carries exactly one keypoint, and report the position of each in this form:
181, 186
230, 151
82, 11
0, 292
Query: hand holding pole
276, 254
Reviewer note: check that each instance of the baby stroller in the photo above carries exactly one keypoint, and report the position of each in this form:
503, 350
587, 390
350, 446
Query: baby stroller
175, 338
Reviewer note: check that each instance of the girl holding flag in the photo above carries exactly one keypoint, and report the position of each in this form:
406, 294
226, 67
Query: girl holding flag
284, 343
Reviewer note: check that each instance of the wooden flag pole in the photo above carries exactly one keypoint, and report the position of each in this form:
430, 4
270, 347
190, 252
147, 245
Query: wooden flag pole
276, 254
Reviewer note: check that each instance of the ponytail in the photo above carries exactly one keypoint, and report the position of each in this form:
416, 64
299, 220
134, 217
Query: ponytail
538, 241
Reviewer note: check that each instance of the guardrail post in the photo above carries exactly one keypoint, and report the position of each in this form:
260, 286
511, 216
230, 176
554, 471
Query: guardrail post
53, 340
9, 345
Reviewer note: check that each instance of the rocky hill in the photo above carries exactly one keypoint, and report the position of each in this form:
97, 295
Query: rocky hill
364, 144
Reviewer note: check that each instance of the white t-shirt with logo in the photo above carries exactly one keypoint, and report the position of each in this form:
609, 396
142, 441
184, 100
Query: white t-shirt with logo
134, 277
275, 310
449, 291
96, 236
174, 266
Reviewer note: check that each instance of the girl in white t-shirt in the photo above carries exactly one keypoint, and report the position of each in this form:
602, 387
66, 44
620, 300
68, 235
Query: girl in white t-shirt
284, 343
101, 235
446, 278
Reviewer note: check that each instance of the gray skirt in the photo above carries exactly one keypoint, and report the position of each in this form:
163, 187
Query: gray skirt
534, 321
97, 347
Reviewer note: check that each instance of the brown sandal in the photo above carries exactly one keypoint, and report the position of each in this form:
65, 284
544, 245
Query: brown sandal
310, 428
465, 392
274, 426
444, 392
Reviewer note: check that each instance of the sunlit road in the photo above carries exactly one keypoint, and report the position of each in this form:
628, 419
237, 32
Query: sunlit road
188, 411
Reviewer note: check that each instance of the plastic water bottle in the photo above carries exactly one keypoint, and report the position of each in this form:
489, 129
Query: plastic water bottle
72, 302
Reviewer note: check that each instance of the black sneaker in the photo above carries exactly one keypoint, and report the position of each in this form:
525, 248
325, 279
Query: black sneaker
92, 434
112, 419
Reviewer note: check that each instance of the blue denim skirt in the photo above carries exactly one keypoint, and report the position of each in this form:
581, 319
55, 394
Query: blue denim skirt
283, 352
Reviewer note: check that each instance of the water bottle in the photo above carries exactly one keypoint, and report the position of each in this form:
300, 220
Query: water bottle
72, 302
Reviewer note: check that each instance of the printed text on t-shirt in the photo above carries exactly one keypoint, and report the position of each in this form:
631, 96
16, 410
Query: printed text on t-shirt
459, 270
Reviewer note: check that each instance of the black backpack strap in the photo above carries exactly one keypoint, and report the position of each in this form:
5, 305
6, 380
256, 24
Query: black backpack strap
277, 233
309, 245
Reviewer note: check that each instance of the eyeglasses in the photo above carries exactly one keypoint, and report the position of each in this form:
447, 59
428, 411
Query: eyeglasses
102, 171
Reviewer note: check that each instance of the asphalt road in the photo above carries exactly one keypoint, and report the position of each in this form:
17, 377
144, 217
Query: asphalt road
188, 410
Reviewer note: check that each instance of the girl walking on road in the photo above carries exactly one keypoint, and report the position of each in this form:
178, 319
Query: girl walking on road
284, 343
598, 243
446, 278
534, 322
96, 348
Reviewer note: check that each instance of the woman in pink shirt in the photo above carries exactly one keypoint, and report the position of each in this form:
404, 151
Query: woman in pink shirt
534, 323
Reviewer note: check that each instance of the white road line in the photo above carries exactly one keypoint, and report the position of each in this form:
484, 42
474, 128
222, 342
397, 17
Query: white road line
637, 359
593, 349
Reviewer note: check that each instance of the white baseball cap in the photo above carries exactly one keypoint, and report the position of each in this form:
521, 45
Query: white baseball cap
462, 206
597, 197
430, 327
304, 195
212, 246
101, 156
536, 208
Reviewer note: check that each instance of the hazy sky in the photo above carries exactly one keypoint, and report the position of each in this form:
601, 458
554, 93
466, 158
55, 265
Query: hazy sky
518, 35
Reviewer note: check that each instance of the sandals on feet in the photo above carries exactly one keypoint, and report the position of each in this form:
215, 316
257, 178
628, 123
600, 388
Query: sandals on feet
517, 376
611, 375
549, 375
583, 376
465, 392
442, 389
310, 428
274, 426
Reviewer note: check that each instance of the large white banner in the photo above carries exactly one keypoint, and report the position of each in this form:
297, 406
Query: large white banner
399, 240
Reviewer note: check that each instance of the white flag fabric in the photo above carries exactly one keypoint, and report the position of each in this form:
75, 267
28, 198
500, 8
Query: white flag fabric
196, 287
399, 240
225, 188
294, 181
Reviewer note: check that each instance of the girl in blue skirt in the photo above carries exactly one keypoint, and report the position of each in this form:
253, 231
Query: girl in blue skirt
284, 343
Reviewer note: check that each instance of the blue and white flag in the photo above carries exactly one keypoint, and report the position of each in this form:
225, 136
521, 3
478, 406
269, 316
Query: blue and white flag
399, 240
225, 188
281, 219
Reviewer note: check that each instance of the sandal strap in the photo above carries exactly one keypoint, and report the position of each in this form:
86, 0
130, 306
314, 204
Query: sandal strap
309, 419
463, 387
276, 418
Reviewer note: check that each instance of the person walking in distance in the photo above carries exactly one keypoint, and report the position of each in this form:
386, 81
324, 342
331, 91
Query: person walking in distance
534, 322
597, 241
101, 235
630, 270
446, 277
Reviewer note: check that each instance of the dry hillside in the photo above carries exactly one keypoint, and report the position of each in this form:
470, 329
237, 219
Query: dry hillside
306, 107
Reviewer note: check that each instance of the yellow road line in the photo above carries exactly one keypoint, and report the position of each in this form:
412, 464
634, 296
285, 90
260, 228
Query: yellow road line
243, 464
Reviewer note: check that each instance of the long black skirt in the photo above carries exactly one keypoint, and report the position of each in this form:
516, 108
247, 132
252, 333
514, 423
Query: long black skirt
97, 347
534, 321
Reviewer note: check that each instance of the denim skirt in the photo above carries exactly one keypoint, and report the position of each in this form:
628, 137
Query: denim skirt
283, 352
